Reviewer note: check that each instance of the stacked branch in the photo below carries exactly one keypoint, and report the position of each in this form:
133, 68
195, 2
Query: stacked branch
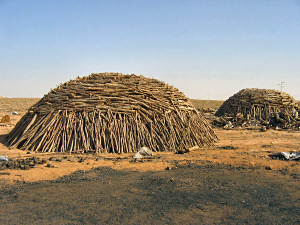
113, 113
268, 107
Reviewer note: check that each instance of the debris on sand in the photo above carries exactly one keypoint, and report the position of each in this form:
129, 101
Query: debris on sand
143, 153
14, 113
111, 113
5, 119
187, 150
23, 164
263, 129
180, 151
286, 155
50, 165
227, 147
3, 158
268, 168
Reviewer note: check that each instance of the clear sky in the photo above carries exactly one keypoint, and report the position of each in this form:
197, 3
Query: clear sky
209, 49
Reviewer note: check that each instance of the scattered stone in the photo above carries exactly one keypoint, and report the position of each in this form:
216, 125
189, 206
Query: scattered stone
228, 126
22, 164
5, 119
49, 165
179, 152
266, 146
268, 168
186, 150
263, 129
81, 160
227, 147
286, 155
14, 113
26, 167
143, 153
3, 158
199, 207
192, 148
35, 160
4, 173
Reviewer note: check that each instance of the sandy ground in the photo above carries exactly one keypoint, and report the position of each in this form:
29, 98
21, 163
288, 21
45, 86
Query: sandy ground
251, 150
233, 182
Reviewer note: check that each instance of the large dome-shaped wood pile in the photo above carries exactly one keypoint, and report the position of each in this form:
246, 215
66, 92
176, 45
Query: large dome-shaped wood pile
111, 112
261, 105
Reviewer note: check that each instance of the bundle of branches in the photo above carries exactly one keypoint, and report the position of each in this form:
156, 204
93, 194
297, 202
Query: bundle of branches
111, 112
268, 107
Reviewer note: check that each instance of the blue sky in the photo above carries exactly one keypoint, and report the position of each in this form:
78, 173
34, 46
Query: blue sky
209, 49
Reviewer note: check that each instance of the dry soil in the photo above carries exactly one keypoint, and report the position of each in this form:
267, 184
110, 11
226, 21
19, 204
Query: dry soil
232, 182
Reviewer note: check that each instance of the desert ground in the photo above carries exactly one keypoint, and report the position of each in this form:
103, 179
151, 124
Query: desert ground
234, 181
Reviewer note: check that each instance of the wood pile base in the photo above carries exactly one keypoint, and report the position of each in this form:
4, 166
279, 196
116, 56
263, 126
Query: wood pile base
93, 131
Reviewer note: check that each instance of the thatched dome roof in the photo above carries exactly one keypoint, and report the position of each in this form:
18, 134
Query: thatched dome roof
258, 104
111, 112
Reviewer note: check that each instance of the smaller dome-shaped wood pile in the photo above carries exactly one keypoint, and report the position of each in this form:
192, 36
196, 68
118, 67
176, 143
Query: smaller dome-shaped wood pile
261, 105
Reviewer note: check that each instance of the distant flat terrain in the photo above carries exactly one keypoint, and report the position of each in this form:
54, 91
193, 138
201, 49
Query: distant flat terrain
21, 105
205, 104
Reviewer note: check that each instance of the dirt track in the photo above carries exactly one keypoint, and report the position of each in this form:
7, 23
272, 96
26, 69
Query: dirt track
208, 186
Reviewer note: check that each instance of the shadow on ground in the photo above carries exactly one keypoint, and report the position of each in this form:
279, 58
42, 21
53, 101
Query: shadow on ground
3, 139
193, 194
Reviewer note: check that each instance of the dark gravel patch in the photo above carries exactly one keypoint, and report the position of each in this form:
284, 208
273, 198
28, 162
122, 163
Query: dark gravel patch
191, 194
22, 164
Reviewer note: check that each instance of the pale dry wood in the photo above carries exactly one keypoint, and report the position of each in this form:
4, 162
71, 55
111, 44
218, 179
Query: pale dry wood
111, 112
262, 105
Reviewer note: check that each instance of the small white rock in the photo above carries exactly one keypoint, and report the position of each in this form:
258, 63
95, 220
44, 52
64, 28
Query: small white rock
3, 158
143, 153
